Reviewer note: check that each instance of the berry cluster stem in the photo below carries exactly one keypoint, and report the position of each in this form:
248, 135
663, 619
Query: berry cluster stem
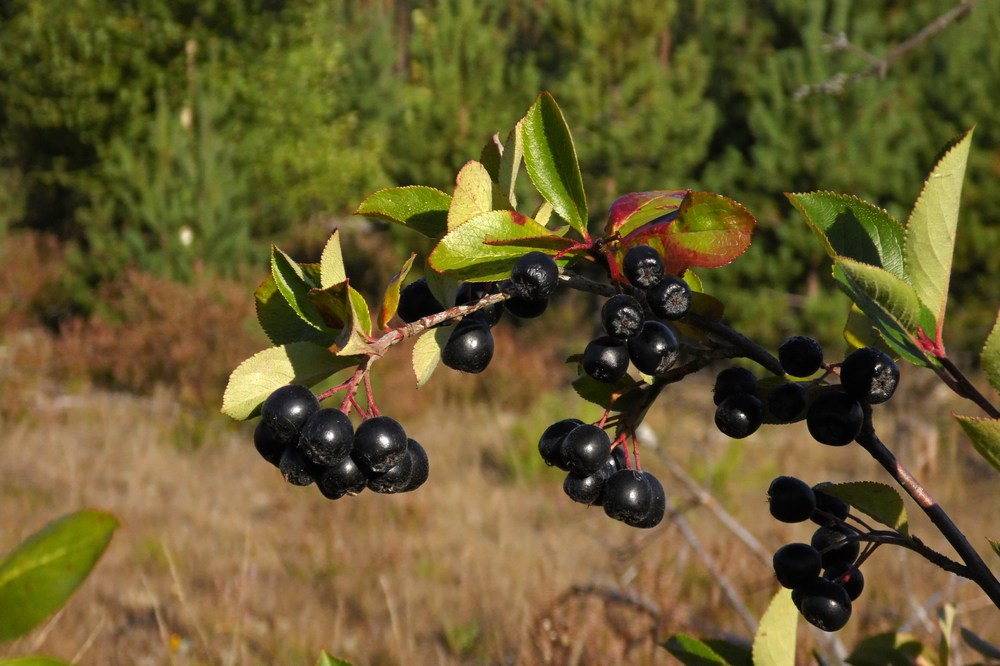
961, 385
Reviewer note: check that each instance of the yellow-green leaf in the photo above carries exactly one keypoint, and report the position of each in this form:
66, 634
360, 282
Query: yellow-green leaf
774, 643
473, 194
331, 263
989, 359
877, 500
423, 209
427, 353
390, 301
36, 660
985, 436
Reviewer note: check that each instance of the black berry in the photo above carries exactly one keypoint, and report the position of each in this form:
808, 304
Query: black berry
585, 449
825, 605
830, 510
642, 266
296, 468
790, 500
796, 565
670, 298
416, 302
848, 576
268, 446
635, 498
654, 350
657, 504
800, 356
787, 402
525, 309
379, 444
834, 418
622, 316
733, 380
344, 477
469, 347
739, 415
587, 489
394, 479
550, 443
473, 292
605, 359
327, 436
286, 410
836, 544
420, 465
534, 276
869, 375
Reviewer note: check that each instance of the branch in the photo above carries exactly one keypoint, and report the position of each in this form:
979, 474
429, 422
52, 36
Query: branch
963, 387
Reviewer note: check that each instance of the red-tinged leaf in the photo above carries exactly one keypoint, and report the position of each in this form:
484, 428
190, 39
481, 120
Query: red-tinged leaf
390, 301
631, 211
709, 231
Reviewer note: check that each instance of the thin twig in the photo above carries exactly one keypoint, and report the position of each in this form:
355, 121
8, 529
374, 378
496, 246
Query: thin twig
967, 390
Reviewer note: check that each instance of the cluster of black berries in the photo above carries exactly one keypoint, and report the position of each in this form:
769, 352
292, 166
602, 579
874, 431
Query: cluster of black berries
833, 414
599, 475
313, 444
649, 344
824, 574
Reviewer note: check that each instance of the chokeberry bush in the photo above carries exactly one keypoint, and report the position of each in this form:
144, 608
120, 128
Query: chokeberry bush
493, 260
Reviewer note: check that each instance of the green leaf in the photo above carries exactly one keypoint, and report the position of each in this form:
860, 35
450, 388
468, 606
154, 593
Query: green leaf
734, 654
294, 283
630, 211
327, 660
877, 500
473, 194
260, 375
484, 247
39, 576
995, 545
280, 322
444, 287
331, 263
423, 209
946, 624
708, 231
985, 436
692, 652
931, 229
853, 228
390, 301
774, 643
891, 305
980, 645
602, 394
859, 331
989, 359
888, 649
427, 353
550, 158
490, 156
33, 661
510, 163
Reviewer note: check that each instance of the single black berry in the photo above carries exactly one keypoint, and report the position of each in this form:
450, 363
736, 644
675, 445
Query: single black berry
657, 504
606, 359
642, 266
473, 292
286, 410
654, 350
394, 479
622, 316
550, 443
585, 449
800, 356
836, 544
670, 298
416, 301
869, 375
627, 496
379, 444
587, 489
739, 415
327, 436
419, 465
470, 346
834, 418
849, 576
790, 500
796, 565
525, 309
268, 446
787, 402
534, 276
830, 510
296, 468
825, 605
733, 380
344, 477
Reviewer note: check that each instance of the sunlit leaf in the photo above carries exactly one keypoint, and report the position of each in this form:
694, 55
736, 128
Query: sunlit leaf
473, 194
423, 209
33, 661
327, 660
510, 164
490, 156
294, 283
985, 436
38, 577
390, 300
774, 643
946, 626
280, 322
630, 211
877, 500
331, 263
692, 652
427, 353
551, 162
989, 359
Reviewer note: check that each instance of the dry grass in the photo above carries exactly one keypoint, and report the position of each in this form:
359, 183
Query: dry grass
220, 562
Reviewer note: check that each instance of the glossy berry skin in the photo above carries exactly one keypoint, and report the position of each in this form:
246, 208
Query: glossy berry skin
670, 298
733, 380
825, 605
642, 266
469, 347
790, 500
286, 410
525, 309
834, 418
344, 477
327, 436
869, 375
416, 302
657, 504
534, 276
394, 479
587, 489
830, 510
787, 402
585, 449
622, 316
739, 415
379, 444
419, 465
550, 443
836, 545
606, 359
268, 446
473, 292
654, 350
296, 468
635, 498
849, 577
800, 356
796, 565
